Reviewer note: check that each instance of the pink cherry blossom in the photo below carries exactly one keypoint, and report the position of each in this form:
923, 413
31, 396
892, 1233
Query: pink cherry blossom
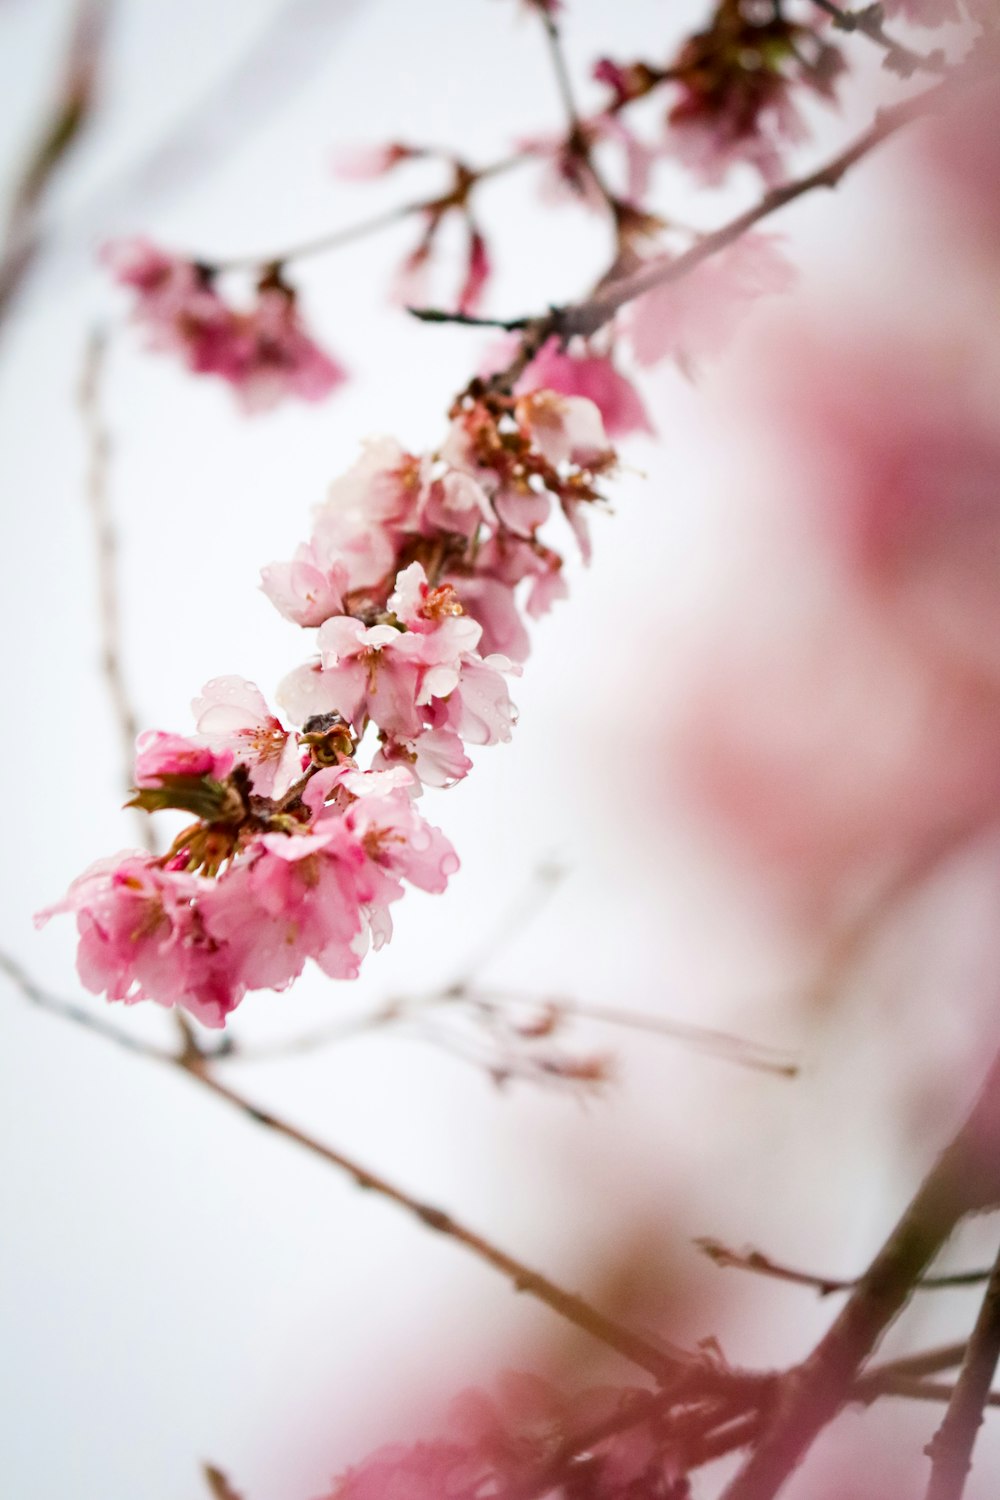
273, 357
143, 937
696, 316
263, 353
233, 718
435, 757
158, 754
594, 377
310, 588
479, 707
293, 898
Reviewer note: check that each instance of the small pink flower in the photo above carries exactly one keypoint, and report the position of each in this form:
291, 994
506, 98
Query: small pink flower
310, 588
565, 429
233, 718
436, 757
479, 708
264, 353
293, 898
594, 377
158, 754
276, 358
696, 316
143, 937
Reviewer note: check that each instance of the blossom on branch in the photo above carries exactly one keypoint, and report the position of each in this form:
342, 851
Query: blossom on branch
264, 352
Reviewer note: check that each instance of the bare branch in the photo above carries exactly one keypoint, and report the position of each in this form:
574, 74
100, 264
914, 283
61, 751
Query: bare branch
666, 1363
70, 111
950, 1450
964, 1180
106, 554
762, 1265
218, 1483
336, 239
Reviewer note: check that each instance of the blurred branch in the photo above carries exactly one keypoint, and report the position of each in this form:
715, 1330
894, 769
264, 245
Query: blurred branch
106, 552
950, 1450
348, 234
666, 1363
577, 145
71, 108
762, 1265
67, 1010
899, 59
218, 1484
586, 317
109, 613
965, 1179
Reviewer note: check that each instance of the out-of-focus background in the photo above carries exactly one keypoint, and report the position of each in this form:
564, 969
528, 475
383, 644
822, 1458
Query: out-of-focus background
756, 742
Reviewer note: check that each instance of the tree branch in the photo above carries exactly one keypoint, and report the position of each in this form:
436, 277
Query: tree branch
950, 1450
350, 233
667, 1364
584, 318
70, 111
964, 1180
762, 1265
899, 59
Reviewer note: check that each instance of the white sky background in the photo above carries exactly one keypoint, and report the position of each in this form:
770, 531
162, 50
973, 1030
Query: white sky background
176, 1284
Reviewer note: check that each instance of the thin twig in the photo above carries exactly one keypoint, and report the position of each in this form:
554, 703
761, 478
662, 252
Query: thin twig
950, 1450
335, 239
763, 1265
106, 554
109, 613
964, 1180
576, 142
71, 109
726, 1046
665, 1362
584, 318
899, 58
67, 1010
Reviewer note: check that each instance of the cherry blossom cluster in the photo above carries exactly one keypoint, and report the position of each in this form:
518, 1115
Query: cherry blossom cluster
415, 580
262, 352
295, 854
587, 1446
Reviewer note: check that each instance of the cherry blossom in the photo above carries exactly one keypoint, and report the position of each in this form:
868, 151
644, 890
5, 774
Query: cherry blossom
578, 372
159, 755
264, 353
694, 318
233, 718
143, 937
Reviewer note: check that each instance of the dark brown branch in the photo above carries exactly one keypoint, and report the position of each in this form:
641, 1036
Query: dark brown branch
763, 1265
964, 1180
950, 1450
